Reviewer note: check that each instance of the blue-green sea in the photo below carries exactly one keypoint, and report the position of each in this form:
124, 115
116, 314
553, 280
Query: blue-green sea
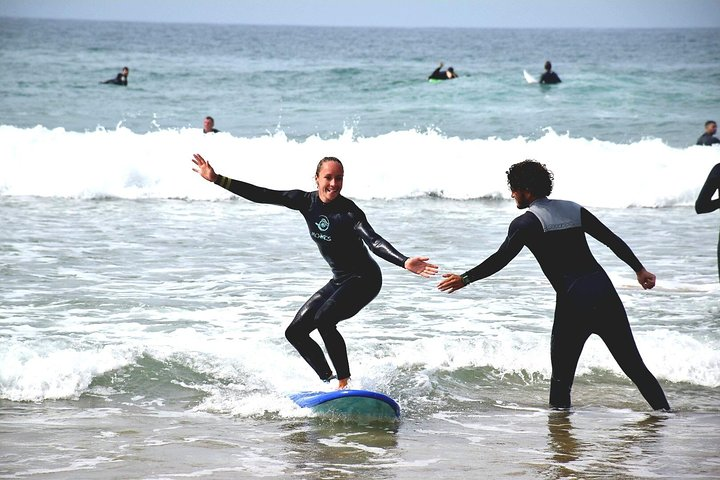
619, 85
142, 309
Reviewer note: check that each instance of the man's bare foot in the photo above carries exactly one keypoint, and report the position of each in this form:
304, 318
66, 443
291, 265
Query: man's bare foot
343, 383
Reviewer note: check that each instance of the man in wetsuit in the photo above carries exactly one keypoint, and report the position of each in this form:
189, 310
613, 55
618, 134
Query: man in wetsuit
708, 137
549, 77
705, 202
120, 79
439, 74
340, 231
587, 303
209, 125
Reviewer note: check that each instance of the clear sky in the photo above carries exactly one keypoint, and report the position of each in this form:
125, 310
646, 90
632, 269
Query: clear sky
398, 13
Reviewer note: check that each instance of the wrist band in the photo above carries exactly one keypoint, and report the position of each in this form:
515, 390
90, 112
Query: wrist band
223, 181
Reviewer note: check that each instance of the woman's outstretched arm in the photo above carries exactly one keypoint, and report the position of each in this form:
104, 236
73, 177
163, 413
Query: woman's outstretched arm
293, 199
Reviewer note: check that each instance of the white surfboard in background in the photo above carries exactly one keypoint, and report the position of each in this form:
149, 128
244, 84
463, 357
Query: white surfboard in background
529, 78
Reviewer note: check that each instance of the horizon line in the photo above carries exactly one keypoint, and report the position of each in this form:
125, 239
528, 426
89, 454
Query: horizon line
309, 25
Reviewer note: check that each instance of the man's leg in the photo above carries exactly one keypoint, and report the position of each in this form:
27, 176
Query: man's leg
566, 344
615, 331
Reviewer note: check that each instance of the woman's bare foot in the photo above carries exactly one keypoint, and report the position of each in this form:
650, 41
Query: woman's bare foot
343, 383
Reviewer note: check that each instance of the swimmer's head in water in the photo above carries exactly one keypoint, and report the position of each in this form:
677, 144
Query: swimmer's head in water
125, 71
451, 69
208, 124
530, 176
711, 127
329, 176
548, 66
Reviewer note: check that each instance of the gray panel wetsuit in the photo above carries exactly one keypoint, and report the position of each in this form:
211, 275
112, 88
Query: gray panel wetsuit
341, 231
587, 303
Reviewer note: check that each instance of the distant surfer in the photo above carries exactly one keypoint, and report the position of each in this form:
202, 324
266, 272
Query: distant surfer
549, 77
708, 138
705, 203
339, 229
120, 79
439, 74
209, 125
587, 303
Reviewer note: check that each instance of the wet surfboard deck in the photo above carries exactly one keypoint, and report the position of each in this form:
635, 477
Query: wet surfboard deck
350, 403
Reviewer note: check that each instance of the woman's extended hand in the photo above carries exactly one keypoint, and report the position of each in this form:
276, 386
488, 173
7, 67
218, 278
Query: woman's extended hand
203, 168
420, 266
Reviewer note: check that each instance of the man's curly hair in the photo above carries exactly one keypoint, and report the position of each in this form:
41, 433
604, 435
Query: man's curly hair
532, 176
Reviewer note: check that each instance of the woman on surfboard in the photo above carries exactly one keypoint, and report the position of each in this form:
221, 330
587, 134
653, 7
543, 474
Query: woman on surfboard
339, 229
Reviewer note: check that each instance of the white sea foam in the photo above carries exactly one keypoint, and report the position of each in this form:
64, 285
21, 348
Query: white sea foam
672, 356
124, 164
35, 374
256, 378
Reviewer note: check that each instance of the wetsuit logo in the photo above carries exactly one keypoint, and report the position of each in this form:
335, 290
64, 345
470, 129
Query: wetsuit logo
323, 224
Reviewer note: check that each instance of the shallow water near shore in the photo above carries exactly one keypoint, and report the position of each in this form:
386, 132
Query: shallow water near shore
499, 442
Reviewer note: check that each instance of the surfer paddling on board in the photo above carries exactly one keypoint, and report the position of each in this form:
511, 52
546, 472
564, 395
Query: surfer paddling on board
120, 78
439, 74
705, 202
339, 229
587, 303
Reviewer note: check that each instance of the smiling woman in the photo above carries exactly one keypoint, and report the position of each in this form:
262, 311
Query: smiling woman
339, 229
329, 178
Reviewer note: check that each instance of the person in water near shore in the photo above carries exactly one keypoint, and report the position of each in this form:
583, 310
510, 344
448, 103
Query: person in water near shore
705, 203
209, 125
549, 77
708, 138
120, 79
339, 228
439, 74
587, 303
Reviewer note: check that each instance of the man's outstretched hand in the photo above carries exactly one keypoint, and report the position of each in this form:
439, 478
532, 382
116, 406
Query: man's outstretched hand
451, 283
646, 279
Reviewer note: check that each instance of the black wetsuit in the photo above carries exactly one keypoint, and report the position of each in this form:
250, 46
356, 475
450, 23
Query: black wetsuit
213, 130
707, 139
705, 202
339, 229
438, 74
550, 78
587, 303
120, 79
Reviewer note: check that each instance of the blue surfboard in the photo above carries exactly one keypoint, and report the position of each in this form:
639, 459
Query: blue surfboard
351, 403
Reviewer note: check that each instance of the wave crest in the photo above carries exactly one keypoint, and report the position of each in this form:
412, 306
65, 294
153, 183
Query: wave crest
401, 164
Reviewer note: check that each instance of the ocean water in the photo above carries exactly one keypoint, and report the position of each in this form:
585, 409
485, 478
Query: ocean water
142, 309
620, 85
